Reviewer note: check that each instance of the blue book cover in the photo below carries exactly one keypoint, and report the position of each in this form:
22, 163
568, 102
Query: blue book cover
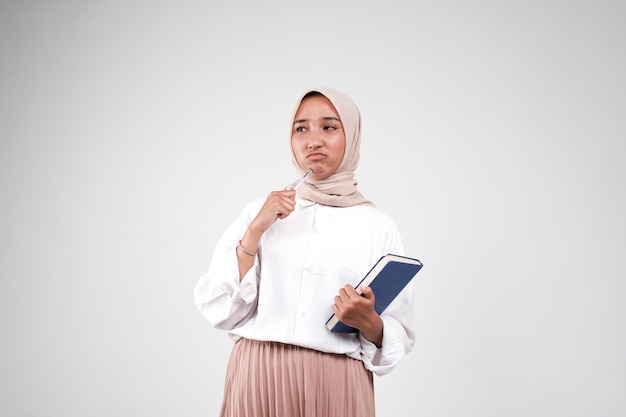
387, 279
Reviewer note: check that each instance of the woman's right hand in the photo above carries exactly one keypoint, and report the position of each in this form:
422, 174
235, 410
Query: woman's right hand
278, 205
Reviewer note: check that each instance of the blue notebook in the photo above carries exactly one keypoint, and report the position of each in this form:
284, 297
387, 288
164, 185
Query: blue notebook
387, 279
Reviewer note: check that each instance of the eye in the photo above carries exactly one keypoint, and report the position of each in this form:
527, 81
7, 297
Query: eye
300, 129
329, 127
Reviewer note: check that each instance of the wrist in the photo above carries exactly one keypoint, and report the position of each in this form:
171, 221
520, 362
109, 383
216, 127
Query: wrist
373, 331
254, 231
250, 239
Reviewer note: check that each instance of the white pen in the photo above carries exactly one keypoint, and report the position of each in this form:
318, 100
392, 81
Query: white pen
301, 180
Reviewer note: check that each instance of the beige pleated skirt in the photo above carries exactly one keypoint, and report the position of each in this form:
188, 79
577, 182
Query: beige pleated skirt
271, 379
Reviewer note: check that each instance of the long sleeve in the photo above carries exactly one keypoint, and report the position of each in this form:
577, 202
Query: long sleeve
398, 317
302, 262
398, 335
219, 295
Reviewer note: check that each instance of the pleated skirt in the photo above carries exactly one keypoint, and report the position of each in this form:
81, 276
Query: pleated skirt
271, 379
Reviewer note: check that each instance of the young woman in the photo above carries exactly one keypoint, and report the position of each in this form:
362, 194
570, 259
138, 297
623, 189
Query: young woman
288, 262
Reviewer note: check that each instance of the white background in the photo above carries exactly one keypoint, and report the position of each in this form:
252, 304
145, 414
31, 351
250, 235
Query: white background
132, 133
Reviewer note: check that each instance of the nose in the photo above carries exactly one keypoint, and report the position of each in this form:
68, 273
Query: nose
315, 141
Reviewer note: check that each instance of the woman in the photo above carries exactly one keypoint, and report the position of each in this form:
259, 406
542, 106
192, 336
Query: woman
288, 262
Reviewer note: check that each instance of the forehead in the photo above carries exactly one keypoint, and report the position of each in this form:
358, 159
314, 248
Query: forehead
313, 105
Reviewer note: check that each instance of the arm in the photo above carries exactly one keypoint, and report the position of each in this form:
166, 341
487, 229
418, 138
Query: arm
222, 297
278, 205
227, 294
386, 338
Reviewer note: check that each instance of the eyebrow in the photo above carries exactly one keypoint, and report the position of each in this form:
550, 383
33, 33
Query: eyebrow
323, 118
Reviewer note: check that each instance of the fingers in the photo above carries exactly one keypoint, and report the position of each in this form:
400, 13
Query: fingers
343, 297
349, 291
349, 297
278, 205
367, 292
354, 309
281, 203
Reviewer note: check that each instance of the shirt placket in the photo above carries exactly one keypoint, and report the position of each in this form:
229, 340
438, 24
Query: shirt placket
312, 270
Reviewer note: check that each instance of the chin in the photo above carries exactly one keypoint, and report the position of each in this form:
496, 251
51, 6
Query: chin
320, 172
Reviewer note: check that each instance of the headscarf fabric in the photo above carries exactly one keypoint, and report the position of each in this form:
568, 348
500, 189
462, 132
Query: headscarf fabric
340, 188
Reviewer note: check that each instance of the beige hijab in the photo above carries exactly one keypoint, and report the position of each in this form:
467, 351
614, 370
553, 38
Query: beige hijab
340, 188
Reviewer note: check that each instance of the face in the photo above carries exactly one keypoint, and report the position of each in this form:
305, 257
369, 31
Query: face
317, 137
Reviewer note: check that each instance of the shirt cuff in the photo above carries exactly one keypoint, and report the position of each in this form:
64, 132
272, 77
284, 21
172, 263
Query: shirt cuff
395, 346
247, 289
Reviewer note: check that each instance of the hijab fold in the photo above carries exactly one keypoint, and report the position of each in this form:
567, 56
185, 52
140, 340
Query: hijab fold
340, 188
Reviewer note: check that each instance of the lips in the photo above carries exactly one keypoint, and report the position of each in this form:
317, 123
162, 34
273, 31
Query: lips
315, 156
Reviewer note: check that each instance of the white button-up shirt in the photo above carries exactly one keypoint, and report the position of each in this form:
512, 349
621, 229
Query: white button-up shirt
302, 262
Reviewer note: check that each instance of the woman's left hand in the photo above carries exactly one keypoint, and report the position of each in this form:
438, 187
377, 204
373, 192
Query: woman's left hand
357, 310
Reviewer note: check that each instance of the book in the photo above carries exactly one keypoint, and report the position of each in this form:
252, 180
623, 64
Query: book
387, 278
